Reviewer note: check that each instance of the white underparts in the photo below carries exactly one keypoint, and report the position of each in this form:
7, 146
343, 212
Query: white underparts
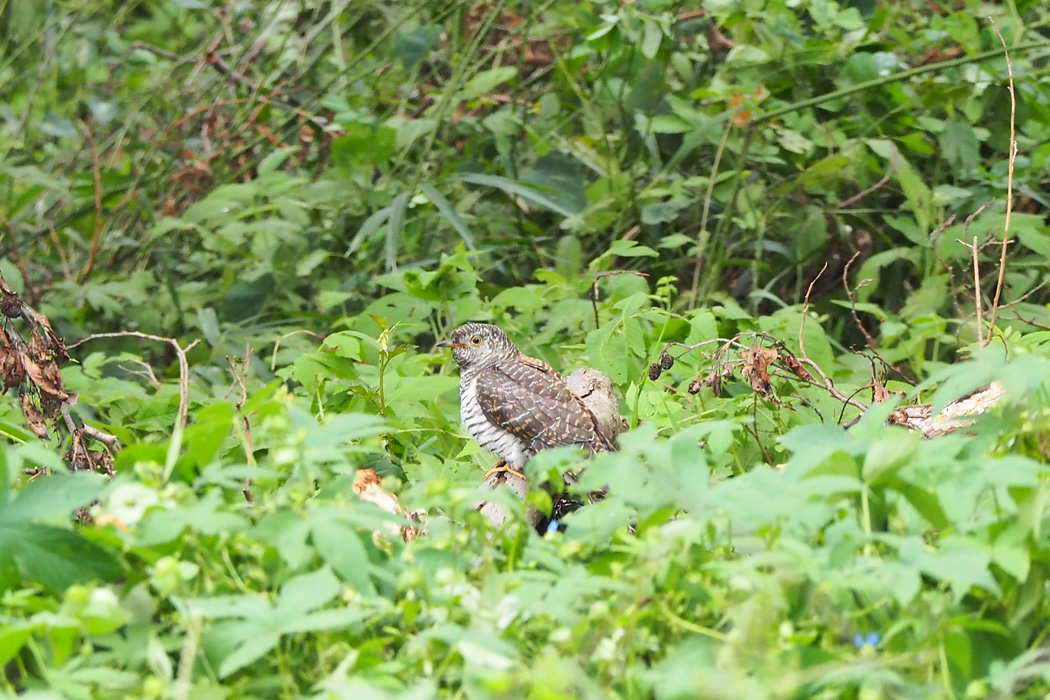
496, 440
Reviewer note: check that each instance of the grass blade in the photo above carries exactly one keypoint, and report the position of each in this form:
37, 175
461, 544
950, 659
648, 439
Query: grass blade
393, 228
515, 188
449, 212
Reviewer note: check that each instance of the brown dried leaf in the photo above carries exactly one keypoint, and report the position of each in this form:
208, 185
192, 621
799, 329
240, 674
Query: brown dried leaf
717, 41
11, 371
879, 392
47, 378
794, 366
755, 369
34, 418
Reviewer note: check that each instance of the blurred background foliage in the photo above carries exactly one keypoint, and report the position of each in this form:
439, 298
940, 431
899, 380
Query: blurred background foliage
320, 189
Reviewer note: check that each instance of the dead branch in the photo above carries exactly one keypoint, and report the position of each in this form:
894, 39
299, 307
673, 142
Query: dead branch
976, 288
369, 487
239, 376
180, 352
1009, 187
958, 414
708, 196
97, 235
853, 302
277, 344
865, 192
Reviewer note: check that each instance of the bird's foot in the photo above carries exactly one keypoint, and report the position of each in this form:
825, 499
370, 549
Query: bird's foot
503, 468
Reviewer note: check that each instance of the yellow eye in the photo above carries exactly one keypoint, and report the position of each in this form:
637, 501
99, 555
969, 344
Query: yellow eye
475, 340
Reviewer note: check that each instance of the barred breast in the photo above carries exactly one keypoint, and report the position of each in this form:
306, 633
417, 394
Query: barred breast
494, 439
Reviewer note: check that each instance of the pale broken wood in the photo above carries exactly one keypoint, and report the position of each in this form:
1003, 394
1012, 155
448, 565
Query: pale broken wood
369, 487
958, 414
596, 390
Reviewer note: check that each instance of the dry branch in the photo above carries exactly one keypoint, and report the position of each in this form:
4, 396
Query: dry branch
1009, 188
180, 352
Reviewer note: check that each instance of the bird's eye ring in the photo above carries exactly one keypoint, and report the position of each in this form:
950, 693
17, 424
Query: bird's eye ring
475, 340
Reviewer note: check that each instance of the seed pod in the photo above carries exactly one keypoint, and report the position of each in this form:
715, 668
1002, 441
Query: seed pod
666, 361
654, 371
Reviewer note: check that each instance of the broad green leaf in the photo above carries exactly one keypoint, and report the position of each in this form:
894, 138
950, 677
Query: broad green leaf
889, 454
12, 639
339, 545
55, 557
49, 495
307, 591
486, 81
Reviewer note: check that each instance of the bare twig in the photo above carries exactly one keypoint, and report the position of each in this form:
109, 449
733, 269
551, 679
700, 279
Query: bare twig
146, 372
829, 386
976, 289
106, 439
61, 253
865, 192
239, 376
156, 51
98, 205
853, 301
1009, 188
805, 310
277, 344
180, 352
699, 263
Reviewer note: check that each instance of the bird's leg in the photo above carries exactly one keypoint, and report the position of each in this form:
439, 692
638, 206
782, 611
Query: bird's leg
503, 468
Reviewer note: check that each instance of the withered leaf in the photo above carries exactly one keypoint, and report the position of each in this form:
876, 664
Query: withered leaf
11, 370
33, 417
794, 366
47, 378
755, 369
879, 393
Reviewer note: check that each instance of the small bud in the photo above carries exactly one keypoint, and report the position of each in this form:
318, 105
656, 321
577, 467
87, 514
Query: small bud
666, 361
654, 371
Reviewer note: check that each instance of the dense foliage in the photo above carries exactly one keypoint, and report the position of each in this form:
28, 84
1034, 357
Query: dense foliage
316, 191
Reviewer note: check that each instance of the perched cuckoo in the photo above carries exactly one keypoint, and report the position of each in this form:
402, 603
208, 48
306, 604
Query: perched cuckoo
515, 405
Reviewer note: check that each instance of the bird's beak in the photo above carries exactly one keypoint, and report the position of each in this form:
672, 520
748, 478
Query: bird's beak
448, 344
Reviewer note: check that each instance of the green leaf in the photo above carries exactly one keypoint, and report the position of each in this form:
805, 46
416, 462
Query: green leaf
339, 545
652, 36
516, 189
889, 454
55, 557
308, 591
56, 493
368, 228
395, 228
363, 146
12, 639
959, 144
486, 81
449, 212
253, 648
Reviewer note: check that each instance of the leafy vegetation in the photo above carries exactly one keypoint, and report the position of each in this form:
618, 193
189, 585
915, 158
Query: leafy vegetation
247, 223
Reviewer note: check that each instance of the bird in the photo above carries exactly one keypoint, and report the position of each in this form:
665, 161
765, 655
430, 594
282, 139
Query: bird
514, 405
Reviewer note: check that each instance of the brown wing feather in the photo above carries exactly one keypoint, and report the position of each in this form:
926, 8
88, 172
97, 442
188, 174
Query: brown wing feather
532, 402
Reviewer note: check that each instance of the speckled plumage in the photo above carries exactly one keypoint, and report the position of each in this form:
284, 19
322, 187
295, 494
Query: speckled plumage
514, 405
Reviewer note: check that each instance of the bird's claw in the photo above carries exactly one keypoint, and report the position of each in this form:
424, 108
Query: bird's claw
503, 468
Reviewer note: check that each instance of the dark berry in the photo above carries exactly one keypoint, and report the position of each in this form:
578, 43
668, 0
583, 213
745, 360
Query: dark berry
666, 361
654, 371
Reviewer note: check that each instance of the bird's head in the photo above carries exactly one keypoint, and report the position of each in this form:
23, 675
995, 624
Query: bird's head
478, 345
